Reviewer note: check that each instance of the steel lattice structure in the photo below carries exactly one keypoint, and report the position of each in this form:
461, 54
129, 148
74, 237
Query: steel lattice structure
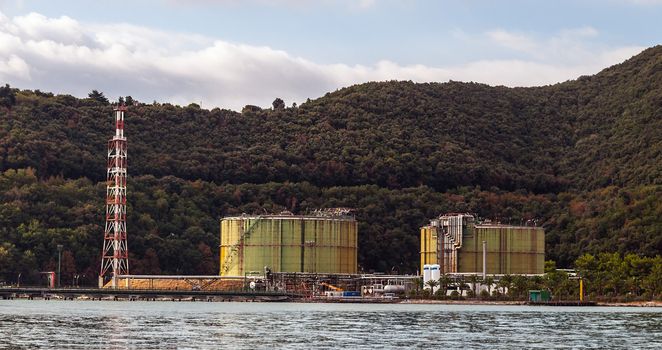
115, 254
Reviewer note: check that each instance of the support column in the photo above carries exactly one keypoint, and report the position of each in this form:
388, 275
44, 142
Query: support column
484, 260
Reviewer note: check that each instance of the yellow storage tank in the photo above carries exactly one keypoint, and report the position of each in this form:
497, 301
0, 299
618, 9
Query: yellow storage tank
510, 250
288, 243
455, 242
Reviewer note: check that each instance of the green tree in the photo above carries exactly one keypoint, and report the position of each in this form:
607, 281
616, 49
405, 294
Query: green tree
519, 287
432, 284
554, 281
505, 283
7, 96
98, 97
444, 283
473, 281
489, 282
653, 282
278, 104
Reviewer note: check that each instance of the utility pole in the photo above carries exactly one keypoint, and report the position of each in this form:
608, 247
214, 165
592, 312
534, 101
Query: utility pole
59, 263
484, 260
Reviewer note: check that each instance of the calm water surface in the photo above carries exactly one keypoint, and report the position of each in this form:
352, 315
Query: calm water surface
178, 325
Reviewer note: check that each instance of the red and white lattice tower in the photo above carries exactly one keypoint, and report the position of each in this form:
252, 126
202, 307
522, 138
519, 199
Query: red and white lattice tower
115, 254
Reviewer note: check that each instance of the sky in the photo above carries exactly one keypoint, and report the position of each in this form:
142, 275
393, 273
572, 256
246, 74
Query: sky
230, 53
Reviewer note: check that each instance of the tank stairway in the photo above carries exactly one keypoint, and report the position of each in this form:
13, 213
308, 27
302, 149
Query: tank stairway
234, 249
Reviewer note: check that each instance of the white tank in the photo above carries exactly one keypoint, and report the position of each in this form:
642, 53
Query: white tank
393, 288
435, 274
427, 275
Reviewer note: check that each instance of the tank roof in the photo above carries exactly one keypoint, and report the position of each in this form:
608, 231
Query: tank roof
491, 225
290, 216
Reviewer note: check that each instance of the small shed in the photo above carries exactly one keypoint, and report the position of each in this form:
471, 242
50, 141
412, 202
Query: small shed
537, 296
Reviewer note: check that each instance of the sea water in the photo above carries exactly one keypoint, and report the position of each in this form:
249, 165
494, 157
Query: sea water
60, 324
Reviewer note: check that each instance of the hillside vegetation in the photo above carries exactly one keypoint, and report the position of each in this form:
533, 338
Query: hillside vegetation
583, 158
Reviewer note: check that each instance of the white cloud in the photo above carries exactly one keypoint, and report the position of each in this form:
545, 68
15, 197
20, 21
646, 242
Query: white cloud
65, 56
38, 27
513, 41
14, 66
567, 46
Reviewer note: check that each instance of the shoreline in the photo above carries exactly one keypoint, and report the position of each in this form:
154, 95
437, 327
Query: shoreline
246, 296
651, 304
511, 302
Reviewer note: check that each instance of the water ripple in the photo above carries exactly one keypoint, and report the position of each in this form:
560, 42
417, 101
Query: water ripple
181, 325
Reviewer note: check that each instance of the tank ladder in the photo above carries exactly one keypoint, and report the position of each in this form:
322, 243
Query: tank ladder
234, 249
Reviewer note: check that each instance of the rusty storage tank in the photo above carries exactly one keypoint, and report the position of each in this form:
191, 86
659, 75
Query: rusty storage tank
455, 241
322, 243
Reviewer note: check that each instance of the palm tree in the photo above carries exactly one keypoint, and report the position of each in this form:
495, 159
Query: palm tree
473, 279
419, 284
518, 287
444, 281
432, 284
489, 281
505, 283
460, 281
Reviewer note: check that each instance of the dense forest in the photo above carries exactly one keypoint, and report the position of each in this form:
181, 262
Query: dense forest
583, 158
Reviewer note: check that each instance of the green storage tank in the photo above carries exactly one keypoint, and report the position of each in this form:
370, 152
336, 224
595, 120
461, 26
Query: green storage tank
510, 250
288, 243
455, 242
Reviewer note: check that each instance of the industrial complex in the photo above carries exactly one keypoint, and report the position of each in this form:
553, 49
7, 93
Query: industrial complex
315, 254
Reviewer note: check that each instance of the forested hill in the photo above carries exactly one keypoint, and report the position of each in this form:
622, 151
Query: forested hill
583, 157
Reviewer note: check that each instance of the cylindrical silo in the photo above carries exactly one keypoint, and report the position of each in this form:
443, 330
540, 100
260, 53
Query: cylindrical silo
510, 250
427, 275
435, 275
435, 272
428, 245
288, 243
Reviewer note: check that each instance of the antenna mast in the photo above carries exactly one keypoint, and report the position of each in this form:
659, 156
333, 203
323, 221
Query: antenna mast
115, 253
